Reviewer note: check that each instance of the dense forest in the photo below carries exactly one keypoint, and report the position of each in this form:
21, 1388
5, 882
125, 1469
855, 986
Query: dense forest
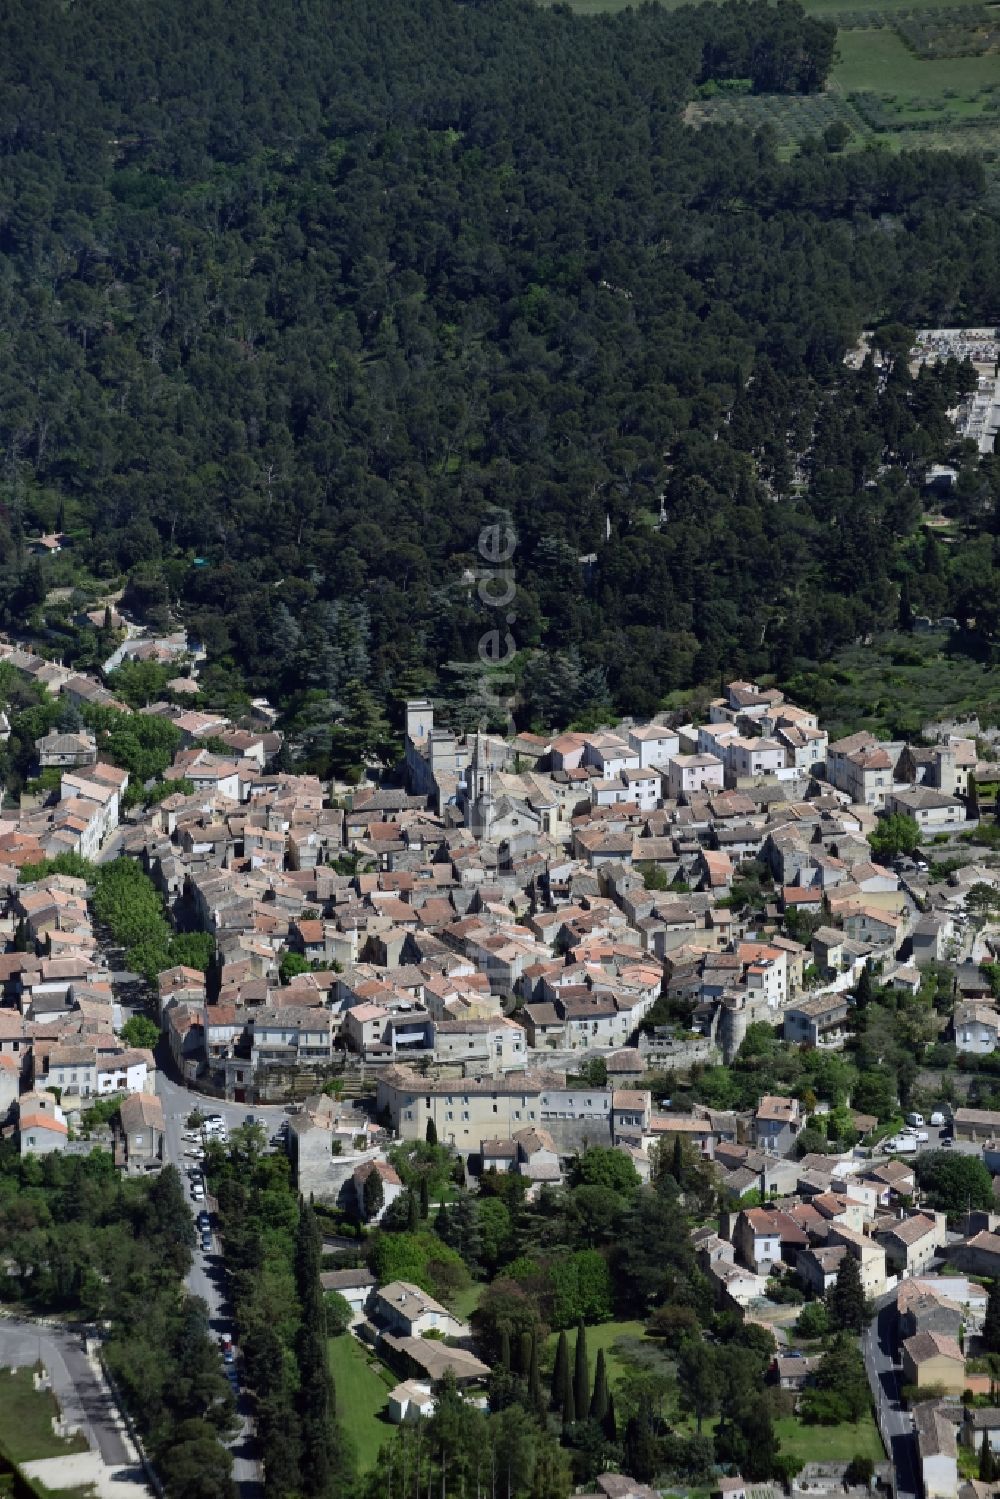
294, 296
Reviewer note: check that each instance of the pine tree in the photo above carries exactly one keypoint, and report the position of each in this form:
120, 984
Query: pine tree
581, 1372
560, 1373
986, 1467
431, 1134
846, 1298
425, 1200
599, 1399
991, 1324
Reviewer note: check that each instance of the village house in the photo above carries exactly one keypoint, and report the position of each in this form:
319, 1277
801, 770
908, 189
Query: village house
932, 1358
937, 1450
406, 1311
776, 1124
139, 1133
911, 1244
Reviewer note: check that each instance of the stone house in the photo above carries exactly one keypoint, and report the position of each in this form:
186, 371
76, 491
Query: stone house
139, 1133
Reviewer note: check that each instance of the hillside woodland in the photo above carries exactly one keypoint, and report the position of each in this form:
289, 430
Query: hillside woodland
295, 295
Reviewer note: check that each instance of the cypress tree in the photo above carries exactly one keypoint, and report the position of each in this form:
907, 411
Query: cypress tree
505, 1350
431, 1132
425, 1198
560, 1373
846, 1297
373, 1194
972, 799
581, 1372
905, 606
991, 1324
609, 1425
569, 1406
413, 1214
599, 1399
525, 1346
986, 1471
534, 1378
677, 1166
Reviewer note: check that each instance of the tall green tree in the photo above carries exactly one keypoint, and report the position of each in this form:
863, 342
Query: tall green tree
581, 1372
846, 1297
991, 1322
601, 1395
560, 1372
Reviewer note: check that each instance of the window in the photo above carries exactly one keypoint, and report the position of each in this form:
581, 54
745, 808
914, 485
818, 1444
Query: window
427, 1101
408, 1114
494, 1108
449, 1115
517, 1113
465, 1113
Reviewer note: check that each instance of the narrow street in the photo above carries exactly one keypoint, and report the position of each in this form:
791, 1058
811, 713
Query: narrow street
206, 1277
896, 1425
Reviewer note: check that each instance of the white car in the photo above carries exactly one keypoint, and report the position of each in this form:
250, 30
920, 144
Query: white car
937, 1119
198, 1192
904, 1144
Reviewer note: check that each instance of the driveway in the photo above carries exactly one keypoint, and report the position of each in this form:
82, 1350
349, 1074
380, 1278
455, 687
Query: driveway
878, 1346
83, 1396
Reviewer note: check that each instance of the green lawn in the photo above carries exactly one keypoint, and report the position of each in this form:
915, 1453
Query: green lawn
829, 1443
361, 1397
26, 1420
605, 1335
465, 1302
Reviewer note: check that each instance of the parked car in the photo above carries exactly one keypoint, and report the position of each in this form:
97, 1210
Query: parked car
206, 1242
204, 1221
249, 1119
938, 1119
915, 1120
198, 1192
946, 1142
904, 1144
922, 1137
228, 1356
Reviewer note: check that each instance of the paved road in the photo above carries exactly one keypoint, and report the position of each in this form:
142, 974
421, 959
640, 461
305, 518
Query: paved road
206, 1277
877, 1346
84, 1398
